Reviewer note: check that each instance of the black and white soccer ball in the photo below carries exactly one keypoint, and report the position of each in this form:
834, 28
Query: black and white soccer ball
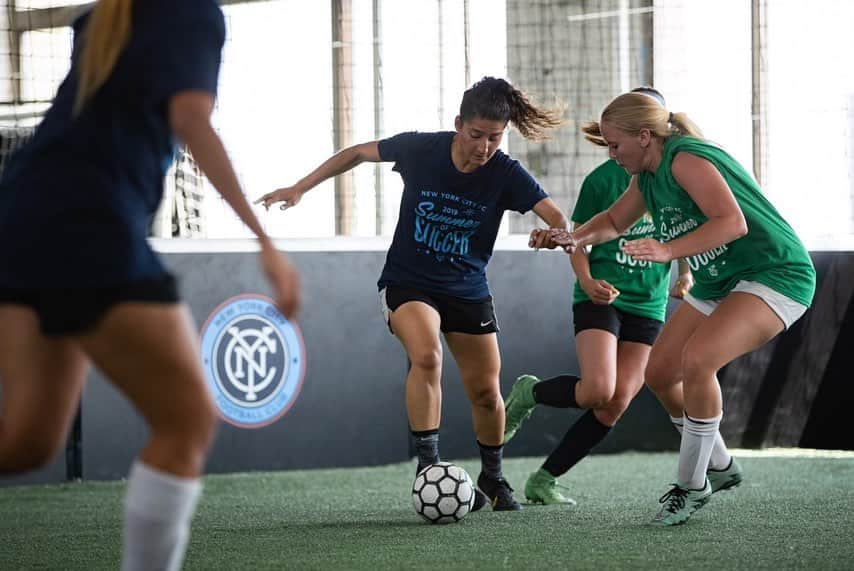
442, 493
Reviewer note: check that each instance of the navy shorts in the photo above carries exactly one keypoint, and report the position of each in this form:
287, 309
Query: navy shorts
71, 311
624, 326
457, 315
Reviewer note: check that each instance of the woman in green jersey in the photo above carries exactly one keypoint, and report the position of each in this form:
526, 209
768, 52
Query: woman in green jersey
619, 306
753, 276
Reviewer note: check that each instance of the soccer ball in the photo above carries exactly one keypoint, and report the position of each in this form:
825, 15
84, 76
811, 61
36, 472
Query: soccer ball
442, 493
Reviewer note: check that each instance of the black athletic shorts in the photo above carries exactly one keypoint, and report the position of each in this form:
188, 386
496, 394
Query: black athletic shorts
624, 326
76, 310
457, 315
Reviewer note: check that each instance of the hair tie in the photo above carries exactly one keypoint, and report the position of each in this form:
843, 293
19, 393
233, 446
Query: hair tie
670, 118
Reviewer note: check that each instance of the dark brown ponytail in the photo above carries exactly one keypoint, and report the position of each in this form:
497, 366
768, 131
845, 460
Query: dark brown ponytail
496, 99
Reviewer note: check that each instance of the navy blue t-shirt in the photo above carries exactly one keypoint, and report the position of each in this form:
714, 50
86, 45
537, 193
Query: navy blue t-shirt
449, 220
76, 202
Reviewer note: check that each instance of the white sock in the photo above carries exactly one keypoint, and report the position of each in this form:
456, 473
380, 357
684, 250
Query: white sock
698, 439
720, 458
158, 510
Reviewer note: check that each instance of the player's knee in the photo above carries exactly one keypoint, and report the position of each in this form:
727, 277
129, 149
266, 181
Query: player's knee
191, 436
487, 398
653, 373
205, 431
426, 359
597, 392
695, 377
696, 366
607, 416
202, 429
187, 449
611, 412
660, 374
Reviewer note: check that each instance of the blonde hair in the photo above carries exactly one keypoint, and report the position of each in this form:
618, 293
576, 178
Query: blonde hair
633, 112
106, 35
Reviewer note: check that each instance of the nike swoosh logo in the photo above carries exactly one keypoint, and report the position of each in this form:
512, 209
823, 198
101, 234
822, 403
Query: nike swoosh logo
485, 323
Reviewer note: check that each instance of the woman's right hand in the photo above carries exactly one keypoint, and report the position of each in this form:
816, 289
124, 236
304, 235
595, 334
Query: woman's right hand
283, 278
600, 292
288, 196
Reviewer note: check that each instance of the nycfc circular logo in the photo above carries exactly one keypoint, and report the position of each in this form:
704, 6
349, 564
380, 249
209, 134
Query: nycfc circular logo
254, 360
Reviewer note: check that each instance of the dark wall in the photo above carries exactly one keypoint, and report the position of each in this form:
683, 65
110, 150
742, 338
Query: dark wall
350, 410
797, 389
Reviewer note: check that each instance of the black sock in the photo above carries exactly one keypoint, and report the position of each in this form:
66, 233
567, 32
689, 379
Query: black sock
586, 433
558, 391
490, 460
427, 447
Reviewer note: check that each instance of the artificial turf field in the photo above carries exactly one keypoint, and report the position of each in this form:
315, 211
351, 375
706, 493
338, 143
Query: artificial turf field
794, 511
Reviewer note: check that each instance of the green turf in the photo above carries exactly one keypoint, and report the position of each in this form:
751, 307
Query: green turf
791, 513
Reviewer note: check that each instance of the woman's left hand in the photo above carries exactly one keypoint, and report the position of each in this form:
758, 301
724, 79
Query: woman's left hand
682, 286
541, 238
648, 250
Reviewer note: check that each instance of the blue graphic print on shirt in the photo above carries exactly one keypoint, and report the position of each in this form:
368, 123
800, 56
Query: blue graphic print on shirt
445, 229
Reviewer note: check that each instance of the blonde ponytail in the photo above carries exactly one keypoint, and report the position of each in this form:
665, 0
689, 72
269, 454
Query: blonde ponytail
633, 112
685, 126
593, 133
106, 35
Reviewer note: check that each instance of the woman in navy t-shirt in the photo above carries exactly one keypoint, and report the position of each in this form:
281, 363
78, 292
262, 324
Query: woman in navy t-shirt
457, 186
79, 283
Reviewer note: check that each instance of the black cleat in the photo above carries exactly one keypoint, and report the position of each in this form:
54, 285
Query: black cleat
480, 500
499, 493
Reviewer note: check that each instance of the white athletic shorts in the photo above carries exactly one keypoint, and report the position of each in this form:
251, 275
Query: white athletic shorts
787, 309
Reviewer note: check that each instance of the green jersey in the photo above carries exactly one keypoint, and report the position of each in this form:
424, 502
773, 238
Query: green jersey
642, 285
770, 253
